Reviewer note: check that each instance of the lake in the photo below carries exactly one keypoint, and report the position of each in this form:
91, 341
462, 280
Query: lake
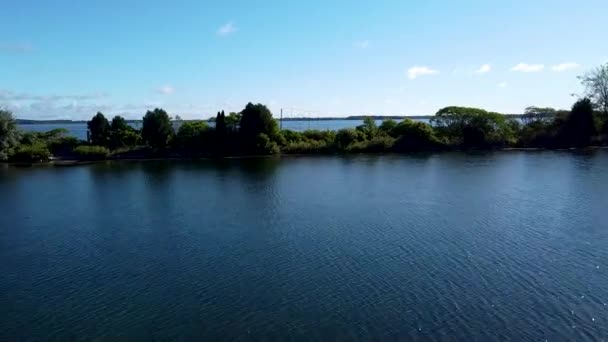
79, 130
453, 246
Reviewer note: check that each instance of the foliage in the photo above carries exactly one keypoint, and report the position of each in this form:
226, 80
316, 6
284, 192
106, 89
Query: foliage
316, 135
34, 153
473, 127
157, 129
388, 126
91, 152
122, 135
369, 127
305, 146
99, 130
596, 86
9, 134
414, 136
375, 145
347, 136
193, 136
255, 120
266, 146
233, 121
579, 127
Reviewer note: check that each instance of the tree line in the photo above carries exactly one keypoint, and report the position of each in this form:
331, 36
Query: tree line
254, 131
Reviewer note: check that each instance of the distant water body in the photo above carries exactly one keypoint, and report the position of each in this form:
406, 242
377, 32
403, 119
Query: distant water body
508, 246
79, 130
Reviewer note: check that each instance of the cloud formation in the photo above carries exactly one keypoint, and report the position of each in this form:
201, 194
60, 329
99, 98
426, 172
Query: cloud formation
165, 90
227, 29
503, 84
524, 67
16, 48
417, 71
565, 66
484, 68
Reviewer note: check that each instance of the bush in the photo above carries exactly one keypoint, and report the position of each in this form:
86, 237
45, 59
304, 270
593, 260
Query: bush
314, 134
265, 146
31, 154
302, 147
388, 126
346, 137
414, 136
85, 152
62, 145
292, 136
375, 145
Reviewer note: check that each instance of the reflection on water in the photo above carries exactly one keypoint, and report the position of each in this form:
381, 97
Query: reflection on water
483, 246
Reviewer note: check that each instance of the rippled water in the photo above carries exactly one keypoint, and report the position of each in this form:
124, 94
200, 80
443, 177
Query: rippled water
509, 245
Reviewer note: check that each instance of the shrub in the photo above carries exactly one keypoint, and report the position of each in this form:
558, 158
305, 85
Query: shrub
85, 152
31, 154
414, 136
62, 145
292, 136
375, 145
346, 137
309, 146
315, 134
265, 146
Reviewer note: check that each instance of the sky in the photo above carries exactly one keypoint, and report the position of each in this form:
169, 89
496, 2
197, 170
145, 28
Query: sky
70, 59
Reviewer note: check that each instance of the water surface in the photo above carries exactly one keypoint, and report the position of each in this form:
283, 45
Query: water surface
497, 246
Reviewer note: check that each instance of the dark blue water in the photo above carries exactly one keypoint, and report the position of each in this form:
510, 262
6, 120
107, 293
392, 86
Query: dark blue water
79, 130
502, 246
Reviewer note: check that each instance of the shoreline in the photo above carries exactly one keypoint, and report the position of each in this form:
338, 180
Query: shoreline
77, 162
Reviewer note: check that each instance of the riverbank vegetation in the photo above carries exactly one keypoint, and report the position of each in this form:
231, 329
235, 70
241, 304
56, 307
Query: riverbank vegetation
254, 131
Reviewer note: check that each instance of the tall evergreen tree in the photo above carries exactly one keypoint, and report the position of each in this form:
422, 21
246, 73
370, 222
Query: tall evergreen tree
579, 126
99, 130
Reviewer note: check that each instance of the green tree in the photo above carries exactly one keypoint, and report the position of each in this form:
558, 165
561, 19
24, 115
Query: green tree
9, 134
596, 87
473, 127
346, 137
579, 126
369, 127
99, 130
193, 136
255, 120
233, 121
157, 129
220, 124
387, 126
121, 134
414, 136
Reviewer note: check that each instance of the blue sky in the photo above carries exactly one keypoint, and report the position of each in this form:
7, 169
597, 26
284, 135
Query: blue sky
70, 59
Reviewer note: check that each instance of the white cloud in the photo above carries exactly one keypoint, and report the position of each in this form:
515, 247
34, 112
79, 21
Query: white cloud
484, 68
227, 29
503, 84
565, 66
364, 44
524, 67
166, 90
416, 71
